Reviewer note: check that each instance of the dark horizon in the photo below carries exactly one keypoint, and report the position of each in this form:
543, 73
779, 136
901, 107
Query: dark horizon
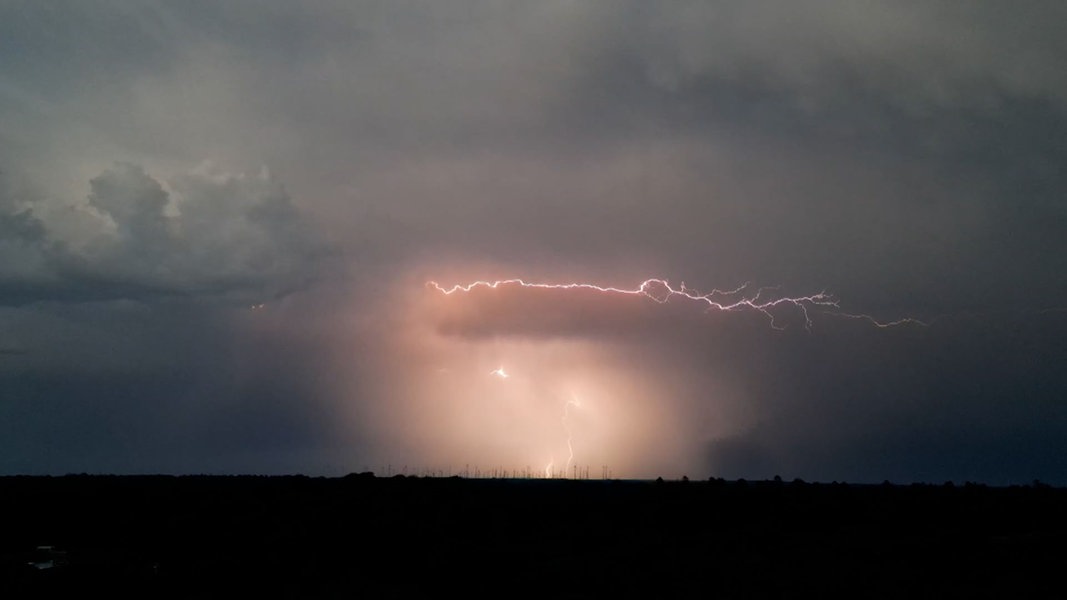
307, 537
776, 480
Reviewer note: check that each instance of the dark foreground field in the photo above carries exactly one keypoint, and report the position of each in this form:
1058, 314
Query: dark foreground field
205, 537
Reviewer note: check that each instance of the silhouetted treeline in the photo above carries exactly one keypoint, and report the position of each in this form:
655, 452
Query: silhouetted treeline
203, 537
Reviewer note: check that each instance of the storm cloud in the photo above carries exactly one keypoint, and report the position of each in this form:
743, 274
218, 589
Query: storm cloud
164, 169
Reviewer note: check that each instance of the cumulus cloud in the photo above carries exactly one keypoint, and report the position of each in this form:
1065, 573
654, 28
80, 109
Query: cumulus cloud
203, 233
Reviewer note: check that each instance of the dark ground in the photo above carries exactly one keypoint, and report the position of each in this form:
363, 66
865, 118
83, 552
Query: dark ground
209, 537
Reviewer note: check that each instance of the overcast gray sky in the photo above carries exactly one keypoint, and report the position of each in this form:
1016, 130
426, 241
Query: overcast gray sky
217, 221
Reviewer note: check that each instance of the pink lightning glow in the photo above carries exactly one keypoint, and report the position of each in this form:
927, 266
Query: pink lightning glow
659, 290
538, 414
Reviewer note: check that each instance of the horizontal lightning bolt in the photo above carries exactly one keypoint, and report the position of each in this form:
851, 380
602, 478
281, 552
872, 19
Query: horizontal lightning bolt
661, 291
883, 324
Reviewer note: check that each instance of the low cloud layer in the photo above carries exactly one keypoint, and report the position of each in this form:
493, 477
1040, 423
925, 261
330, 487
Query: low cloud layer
206, 234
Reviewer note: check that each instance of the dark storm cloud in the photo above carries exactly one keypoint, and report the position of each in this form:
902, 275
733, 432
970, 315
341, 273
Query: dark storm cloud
971, 399
166, 386
908, 157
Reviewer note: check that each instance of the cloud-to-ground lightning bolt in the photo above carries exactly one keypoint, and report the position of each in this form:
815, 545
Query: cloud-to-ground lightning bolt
573, 401
661, 291
566, 427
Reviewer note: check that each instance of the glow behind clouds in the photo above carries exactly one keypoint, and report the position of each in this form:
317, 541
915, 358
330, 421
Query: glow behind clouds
526, 412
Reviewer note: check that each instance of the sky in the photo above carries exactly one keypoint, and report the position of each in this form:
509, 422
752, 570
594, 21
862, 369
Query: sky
219, 223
